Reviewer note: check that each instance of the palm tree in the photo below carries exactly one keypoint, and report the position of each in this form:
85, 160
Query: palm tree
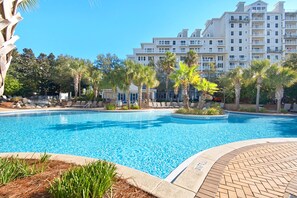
138, 80
206, 87
236, 78
191, 58
95, 79
78, 69
127, 76
184, 77
9, 18
167, 66
257, 72
278, 78
150, 81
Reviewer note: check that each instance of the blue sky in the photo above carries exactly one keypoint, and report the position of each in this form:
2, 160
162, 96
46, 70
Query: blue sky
84, 29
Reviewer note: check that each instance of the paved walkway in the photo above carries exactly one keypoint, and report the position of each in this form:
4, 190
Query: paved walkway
263, 170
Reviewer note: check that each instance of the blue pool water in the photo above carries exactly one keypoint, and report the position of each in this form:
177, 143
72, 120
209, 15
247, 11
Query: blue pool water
153, 142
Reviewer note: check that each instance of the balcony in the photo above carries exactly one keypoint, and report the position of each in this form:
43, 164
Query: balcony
195, 44
242, 59
258, 43
276, 51
291, 51
290, 43
258, 27
291, 18
258, 35
258, 51
220, 43
290, 35
245, 20
291, 27
232, 59
258, 18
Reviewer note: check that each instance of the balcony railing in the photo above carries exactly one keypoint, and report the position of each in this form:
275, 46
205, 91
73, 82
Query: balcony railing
274, 51
257, 50
258, 27
245, 20
258, 43
290, 35
290, 43
259, 35
258, 18
291, 27
232, 59
291, 19
291, 51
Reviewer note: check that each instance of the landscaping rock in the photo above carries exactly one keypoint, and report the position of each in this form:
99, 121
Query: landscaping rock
25, 100
18, 106
38, 107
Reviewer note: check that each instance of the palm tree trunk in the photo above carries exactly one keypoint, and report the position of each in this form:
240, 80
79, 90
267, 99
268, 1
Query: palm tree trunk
148, 90
202, 99
258, 97
128, 97
79, 85
167, 82
140, 95
185, 97
279, 93
237, 96
9, 18
95, 93
75, 86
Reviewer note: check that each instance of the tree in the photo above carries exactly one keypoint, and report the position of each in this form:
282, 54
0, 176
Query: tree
184, 77
278, 78
95, 79
167, 66
205, 87
291, 92
138, 80
257, 72
236, 78
191, 58
107, 63
13, 85
150, 81
9, 19
291, 61
77, 69
225, 84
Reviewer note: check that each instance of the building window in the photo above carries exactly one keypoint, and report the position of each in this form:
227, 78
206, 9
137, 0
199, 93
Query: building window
232, 49
240, 17
276, 40
232, 41
167, 42
232, 17
276, 17
240, 33
220, 58
173, 49
268, 56
240, 40
232, 25
232, 33
220, 49
182, 58
276, 57
268, 17
276, 25
268, 25
183, 49
268, 33
173, 43
276, 33
210, 42
210, 49
240, 49
240, 25
183, 42
220, 65
268, 40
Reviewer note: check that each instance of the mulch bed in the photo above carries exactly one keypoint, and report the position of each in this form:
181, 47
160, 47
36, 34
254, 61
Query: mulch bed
36, 186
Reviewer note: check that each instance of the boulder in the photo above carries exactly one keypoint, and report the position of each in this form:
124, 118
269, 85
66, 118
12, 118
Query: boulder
38, 107
25, 100
18, 106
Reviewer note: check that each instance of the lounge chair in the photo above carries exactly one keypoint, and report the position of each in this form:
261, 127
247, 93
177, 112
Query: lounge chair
174, 104
151, 104
163, 104
294, 108
192, 105
94, 104
69, 104
287, 106
100, 104
77, 104
180, 104
88, 105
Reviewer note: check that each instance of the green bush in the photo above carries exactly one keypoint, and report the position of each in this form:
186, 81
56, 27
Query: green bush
124, 108
110, 107
13, 168
209, 111
92, 180
284, 111
252, 109
134, 107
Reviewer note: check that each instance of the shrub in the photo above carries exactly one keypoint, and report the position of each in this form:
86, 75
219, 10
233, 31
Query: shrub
110, 107
134, 107
209, 111
13, 168
92, 180
252, 109
284, 111
125, 108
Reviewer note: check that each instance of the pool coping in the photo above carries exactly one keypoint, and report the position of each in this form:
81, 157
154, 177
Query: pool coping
263, 114
190, 174
200, 117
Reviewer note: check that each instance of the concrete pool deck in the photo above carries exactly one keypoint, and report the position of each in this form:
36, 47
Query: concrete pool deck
252, 168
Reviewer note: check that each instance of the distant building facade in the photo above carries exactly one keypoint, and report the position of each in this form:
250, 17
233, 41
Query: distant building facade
249, 33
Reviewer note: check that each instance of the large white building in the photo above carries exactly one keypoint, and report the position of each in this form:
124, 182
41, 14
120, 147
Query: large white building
249, 33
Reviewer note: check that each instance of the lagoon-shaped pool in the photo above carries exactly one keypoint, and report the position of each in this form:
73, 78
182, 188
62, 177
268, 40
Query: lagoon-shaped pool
152, 141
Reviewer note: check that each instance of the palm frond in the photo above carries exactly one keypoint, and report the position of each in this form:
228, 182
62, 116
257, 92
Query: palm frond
27, 5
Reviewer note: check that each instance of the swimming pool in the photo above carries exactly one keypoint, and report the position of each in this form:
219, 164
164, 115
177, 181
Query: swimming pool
153, 142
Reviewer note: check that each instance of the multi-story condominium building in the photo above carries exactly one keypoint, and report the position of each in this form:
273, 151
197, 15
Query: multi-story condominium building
249, 33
